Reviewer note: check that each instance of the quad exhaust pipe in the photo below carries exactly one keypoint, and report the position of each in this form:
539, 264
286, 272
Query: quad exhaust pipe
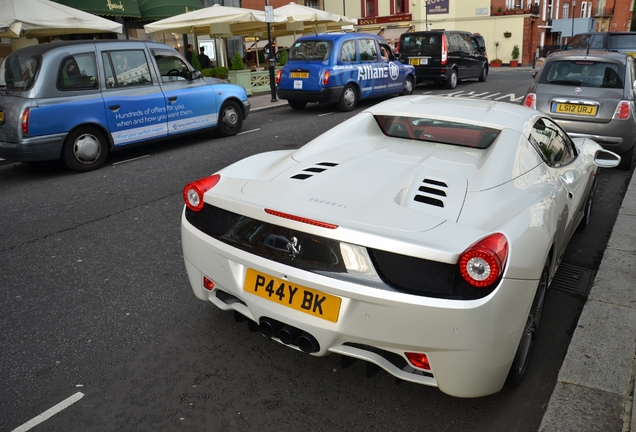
288, 335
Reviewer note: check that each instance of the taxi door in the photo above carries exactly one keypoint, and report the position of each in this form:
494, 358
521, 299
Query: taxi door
135, 105
373, 73
190, 104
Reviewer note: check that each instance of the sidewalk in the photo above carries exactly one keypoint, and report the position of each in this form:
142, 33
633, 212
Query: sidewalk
595, 387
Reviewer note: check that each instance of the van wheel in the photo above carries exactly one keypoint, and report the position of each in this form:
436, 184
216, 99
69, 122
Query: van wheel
528, 337
230, 119
348, 99
408, 86
452, 80
484, 74
297, 105
85, 149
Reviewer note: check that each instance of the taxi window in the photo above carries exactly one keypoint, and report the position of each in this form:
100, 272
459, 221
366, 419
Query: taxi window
171, 66
311, 50
437, 131
20, 71
348, 51
554, 145
77, 72
368, 50
126, 68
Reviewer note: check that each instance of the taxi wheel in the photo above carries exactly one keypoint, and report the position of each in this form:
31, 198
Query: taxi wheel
297, 105
230, 119
408, 86
348, 99
85, 149
452, 80
528, 338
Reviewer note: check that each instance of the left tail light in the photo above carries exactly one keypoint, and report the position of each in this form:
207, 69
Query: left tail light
623, 110
25, 120
531, 101
193, 192
482, 264
278, 73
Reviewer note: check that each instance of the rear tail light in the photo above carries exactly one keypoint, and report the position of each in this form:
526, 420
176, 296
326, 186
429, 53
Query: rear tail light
531, 101
325, 78
193, 192
444, 49
623, 110
278, 76
25, 121
208, 283
482, 264
418, 360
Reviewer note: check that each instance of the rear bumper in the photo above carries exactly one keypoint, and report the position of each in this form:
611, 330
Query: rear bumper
325, 95
33, 149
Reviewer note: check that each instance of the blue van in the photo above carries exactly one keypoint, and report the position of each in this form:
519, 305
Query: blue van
79, 100
342, 68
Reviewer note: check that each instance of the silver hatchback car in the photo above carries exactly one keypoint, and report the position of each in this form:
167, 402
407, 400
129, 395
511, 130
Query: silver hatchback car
590, 94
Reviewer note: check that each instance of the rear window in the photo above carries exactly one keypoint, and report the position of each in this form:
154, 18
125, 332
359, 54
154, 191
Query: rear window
621, 41
437, 131
424, 43
311, 50
584, 73
19, 71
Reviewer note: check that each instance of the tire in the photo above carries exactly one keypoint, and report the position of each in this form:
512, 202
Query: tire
409, 86
528, 338
484, 74
626, 159
85, 149
230, 119
452, 80
297, 105
588, 206
348, 99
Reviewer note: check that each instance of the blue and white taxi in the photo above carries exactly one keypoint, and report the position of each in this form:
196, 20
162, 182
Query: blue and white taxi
79, 100
342, 68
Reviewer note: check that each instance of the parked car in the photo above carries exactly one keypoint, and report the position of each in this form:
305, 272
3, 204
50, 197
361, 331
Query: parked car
445, 57
624, 42
79, 100
341, 68
420, 235
591, 95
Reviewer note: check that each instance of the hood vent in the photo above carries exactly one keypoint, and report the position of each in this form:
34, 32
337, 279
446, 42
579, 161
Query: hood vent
318, 168
432, 193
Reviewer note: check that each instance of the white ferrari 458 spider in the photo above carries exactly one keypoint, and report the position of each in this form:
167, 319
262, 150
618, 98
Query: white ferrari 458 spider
420, 235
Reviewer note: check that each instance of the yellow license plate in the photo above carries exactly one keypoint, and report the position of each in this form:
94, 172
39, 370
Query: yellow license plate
587, 110
1, 116
298, 297
299, 74
418, 61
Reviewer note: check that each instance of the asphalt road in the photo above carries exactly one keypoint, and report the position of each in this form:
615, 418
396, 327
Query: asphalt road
95, 303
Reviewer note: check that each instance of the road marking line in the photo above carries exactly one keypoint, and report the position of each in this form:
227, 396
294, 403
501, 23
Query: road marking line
249, 131
49, 413
130, 160
326, 114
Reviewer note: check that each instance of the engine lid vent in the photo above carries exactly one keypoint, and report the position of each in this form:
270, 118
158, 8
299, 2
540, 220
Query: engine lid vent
316, 169
432, 192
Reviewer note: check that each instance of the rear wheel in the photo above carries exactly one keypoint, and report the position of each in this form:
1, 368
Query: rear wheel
484, 74
452, 80
348, 99
626, 159
528, 338
85, 149
408, 86
230, 118
297, 105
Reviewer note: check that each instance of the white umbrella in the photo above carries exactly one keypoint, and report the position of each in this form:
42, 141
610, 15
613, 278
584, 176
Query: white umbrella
304, 19
40, 18
217, 20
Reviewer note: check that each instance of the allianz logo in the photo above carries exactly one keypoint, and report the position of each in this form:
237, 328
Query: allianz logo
368, 72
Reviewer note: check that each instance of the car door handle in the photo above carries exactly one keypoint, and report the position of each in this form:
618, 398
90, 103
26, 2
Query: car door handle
172, 99
114, 108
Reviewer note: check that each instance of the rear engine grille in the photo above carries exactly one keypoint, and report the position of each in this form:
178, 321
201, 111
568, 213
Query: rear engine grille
430, 191
309, 172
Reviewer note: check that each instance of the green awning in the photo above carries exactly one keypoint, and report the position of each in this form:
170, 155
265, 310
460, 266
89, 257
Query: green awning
120, 8
160, 9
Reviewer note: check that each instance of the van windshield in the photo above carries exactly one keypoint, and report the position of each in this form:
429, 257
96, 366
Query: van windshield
311, 50
421, 44
19, 71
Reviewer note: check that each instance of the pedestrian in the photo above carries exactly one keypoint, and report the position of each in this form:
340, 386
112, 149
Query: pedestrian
203, 59
188, 54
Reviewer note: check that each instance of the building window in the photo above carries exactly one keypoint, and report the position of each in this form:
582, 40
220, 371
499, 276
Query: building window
369, 8
566, 11
399, 7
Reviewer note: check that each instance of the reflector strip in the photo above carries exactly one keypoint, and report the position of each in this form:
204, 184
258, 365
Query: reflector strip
301, 219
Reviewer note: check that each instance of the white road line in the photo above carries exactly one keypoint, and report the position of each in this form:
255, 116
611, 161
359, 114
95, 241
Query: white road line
49, 413
249, 131
130, 160
326, 114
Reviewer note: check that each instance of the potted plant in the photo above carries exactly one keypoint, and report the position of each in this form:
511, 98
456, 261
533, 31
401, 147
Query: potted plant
515, 56
240, 75
499, 11
507, 34
495, 62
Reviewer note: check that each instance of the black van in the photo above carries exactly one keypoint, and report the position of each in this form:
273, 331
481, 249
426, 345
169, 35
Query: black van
445, 56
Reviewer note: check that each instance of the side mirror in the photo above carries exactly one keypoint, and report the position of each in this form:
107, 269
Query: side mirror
196, 74
606, 159
534, 74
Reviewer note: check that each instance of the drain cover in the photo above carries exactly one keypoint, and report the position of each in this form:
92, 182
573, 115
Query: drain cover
574, 279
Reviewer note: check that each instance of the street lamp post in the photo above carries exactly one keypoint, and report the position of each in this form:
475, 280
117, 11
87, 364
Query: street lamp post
426, 13
269, 17
573, 3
